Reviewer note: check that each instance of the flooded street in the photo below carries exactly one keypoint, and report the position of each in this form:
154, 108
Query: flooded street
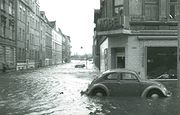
56, 91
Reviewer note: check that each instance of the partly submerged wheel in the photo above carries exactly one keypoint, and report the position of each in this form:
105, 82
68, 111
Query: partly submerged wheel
154, 94
99, 93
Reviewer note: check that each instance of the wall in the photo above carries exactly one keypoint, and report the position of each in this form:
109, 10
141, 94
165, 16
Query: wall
103, 46
136, 52
115, 42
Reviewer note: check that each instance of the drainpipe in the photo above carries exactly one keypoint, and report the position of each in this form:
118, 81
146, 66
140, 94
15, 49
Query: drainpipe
16, 29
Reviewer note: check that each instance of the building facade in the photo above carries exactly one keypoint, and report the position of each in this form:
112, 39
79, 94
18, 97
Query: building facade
27, 38
7, 35
45, 41
140, 35
57, 38
66, 49
27, 34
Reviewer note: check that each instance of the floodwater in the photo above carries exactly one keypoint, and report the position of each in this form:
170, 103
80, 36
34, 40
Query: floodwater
56, 91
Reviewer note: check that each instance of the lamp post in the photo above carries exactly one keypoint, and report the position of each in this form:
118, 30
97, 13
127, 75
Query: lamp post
86, 57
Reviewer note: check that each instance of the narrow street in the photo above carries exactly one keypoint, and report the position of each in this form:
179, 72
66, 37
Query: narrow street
56, 91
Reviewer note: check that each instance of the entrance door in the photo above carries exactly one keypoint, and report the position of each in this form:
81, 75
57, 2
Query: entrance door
120, 60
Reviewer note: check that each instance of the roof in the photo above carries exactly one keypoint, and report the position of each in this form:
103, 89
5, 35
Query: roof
119, 70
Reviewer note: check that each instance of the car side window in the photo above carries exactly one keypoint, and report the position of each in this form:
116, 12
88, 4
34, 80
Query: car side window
128, 76
112, 76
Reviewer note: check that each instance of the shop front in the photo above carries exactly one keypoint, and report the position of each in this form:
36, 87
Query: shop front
151, 58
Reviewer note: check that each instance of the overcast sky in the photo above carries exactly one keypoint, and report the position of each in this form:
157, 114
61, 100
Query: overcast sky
75, 18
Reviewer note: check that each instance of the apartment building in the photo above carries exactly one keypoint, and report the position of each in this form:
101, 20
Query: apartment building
7, 35
66, 49
45, 41
57, 38
140, 35
28, 25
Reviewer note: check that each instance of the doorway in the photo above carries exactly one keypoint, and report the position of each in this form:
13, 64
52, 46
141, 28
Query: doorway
120, 61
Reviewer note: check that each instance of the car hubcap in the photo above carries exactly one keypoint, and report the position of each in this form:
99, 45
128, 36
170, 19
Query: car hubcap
154, 96
99, 94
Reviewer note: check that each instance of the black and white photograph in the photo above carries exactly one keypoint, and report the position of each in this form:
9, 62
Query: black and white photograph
89, 57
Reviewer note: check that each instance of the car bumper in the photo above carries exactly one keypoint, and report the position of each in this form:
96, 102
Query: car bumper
168, 94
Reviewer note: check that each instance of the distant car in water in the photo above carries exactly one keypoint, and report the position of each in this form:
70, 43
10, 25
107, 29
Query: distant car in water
79, 66
125, 82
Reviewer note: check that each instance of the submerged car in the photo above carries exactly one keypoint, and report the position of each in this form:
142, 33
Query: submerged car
79, 66
125, 82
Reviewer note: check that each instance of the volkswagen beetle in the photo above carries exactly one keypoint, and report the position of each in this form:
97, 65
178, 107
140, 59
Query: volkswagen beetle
125, 82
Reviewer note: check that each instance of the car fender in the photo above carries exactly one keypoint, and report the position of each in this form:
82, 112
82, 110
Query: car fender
144, 93
102, 86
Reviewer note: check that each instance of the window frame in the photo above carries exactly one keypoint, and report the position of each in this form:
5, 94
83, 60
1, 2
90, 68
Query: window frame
106, 76
119, 6
121, 77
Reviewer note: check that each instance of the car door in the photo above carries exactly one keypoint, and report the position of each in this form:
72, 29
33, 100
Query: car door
129, 85
111, 81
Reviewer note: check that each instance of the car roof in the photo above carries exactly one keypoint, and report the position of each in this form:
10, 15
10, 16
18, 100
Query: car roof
119, 70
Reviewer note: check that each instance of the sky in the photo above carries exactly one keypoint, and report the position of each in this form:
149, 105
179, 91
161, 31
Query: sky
75, 19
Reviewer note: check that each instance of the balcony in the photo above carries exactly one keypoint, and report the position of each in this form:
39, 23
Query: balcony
107, 24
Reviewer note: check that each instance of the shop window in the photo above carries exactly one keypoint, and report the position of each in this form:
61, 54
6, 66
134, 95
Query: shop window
162, 62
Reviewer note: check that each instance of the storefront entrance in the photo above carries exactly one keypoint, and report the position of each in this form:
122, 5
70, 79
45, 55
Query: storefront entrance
162, 62
118, 57
120, 61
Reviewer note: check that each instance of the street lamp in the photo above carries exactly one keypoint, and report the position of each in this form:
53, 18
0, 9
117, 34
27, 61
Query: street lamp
86, 57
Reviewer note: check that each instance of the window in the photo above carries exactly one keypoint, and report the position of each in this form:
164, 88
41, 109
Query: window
112, 76
20, 34
128, 76
11, 7
23, 35
24, 54
20, 13
11, 30
118, 7
19, 55
151, 10
3, 4
173, 9
3, 26
162, 61
28, 27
